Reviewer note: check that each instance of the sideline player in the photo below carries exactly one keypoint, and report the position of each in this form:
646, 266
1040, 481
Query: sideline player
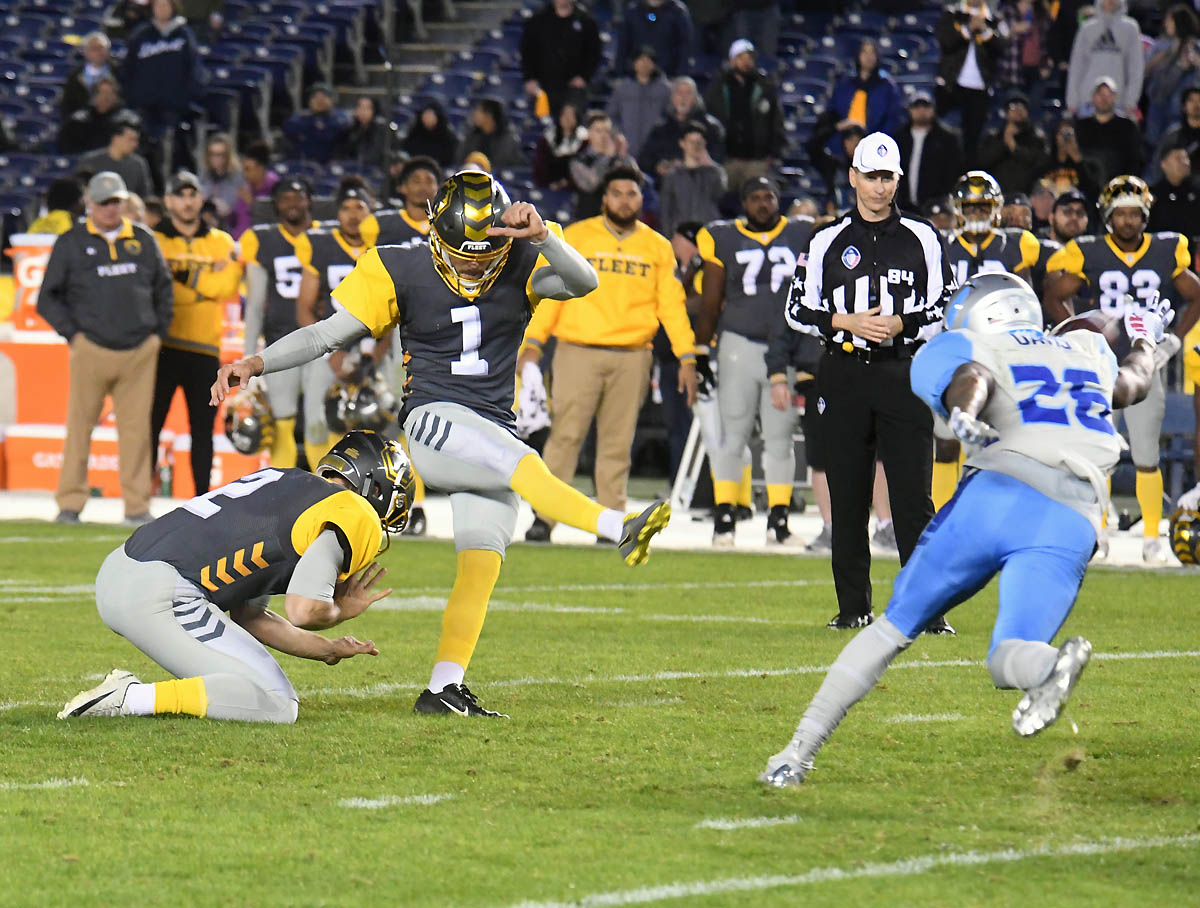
1035, 410
274, 257
462, 301
419, 181
979, 245
289, 532
748, 267
1128, 261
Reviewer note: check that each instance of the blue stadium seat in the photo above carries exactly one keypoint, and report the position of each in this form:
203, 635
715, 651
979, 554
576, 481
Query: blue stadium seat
505, 86
452, 84
58, 69
19, 163
27, 25
16, 107
225, 55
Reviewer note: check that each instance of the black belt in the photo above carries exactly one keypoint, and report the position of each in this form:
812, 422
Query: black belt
871, 354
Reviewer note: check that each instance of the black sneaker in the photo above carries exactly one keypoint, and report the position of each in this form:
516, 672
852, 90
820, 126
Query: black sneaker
416, 522
742, 512
778, 532
453, 700
539, 531
67, 517
941, 626
840, 623
723, 525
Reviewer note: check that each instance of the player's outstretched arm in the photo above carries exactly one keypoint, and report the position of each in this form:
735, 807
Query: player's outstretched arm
273, 630
1060, 287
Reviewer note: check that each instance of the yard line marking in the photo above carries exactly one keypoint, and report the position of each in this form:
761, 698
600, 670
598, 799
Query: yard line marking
728, 825
435, 604
387, 687
11, 589
931, 717
392, 801
31, 600
667, 585
49, 783
17, 704
53, 540
904, 867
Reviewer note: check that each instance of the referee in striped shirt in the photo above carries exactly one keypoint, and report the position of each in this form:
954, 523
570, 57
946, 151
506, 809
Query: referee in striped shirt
871, 286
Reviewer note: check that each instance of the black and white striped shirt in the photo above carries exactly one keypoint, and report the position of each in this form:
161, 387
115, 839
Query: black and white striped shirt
898, 264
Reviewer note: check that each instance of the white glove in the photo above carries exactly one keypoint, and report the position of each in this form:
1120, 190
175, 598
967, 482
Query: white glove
969, 430
1150, 321
1166, 350
1190, 501
257, 385
533, 407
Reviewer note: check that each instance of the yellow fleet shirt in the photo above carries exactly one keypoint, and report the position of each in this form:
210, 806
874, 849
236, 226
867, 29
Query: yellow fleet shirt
204, 273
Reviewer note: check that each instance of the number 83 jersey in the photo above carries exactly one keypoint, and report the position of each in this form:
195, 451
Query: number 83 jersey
455, 350
1111, 273
758, 269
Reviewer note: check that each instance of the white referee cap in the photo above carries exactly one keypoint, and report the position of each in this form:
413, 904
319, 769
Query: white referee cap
878, 151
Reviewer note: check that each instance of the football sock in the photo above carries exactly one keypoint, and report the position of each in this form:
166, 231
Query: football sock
1149, 491
553, 500
462, 620
611, 525
139, 700
283, 451
418, 489
853, 674
185, 696
945, 481
779, 494
881, 525
1021, 664
445, 674
725, 491
745, 492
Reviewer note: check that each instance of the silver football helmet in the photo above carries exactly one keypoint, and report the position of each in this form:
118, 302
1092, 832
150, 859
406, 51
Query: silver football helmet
994, 303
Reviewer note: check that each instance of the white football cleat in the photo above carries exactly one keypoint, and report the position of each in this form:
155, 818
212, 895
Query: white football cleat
105, 699
1101, 545
786, 769
1042, 705
1154, 552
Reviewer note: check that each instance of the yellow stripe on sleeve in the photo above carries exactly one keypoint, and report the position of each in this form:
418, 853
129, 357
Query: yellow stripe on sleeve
1031, 250
248, 248
707, 246
369, 294
1068, 259
351, 514
1183, 257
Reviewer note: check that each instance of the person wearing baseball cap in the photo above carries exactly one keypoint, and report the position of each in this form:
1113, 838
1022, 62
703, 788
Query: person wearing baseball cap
205, 274
1111, 140
107, 291
932, 150
1015, 148
744, 99
873, 280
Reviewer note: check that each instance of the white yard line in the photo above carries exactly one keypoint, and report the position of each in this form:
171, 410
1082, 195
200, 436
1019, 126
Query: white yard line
392, 801
904, 867
931, 717
437, 604
729, 825
49, 783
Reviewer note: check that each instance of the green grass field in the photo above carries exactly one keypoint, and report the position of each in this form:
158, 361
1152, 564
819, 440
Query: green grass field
644, 704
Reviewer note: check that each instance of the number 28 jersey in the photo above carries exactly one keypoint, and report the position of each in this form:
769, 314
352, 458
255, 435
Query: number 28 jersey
758, 269
1111, 273
455, 350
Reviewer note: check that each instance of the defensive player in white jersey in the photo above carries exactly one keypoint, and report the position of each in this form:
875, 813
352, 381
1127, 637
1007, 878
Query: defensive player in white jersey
1035, 411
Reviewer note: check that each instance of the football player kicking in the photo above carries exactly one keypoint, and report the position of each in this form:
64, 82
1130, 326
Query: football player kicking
1035, 411
462, 300
289, 532
1129, 261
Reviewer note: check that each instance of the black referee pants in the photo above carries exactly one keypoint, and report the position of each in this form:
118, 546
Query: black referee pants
194, 373
870, 408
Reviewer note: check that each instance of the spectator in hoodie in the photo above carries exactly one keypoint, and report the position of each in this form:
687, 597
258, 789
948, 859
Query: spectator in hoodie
1176, 197
492, 135
603, 150
221, 178
972, 39
260, 181
563, 138
1016, 150
431, 135
560, 51
637, 103
369, 141
1108, 44
317, 133
692, 191
867, 97
1172, 66
161, 74
89, 128
660, 151
665, 25
744, 99
81, 81
931, 153
121, 156
1111, 141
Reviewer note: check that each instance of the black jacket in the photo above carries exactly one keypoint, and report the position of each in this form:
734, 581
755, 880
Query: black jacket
162, 70
898, 264
750, 113
554, 50
1014, 170
1176, 208
941, 162
662, 144
117, 294
954, 46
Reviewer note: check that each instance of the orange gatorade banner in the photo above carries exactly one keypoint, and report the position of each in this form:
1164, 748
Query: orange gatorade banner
30, 252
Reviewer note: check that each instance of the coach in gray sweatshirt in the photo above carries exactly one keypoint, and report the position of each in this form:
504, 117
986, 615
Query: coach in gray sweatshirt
1108, 44
637, 103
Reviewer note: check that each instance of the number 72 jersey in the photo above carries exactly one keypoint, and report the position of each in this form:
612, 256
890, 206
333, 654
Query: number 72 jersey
1111, 273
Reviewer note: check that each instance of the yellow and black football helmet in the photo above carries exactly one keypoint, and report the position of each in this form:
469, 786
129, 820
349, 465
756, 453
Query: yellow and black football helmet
377, 469
1125, 192
249, 425
977, 187
1185, 535
459, 217
362, 402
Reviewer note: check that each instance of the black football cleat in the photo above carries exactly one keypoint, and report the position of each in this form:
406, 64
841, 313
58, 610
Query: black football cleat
416, 522
850, 623
452, 700
941, 626
539, 531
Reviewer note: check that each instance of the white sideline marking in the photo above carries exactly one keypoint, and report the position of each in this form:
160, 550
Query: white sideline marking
931, 717
13, 589
49, 783
903, 867
386, 687
53, 540
436, 604
725, 825
678, 585
392, 801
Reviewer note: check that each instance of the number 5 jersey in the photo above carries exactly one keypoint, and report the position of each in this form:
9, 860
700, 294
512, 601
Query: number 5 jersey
1051, 407
1111, 273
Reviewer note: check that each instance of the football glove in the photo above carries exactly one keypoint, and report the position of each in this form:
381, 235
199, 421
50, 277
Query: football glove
1190, 501
707, 380
970, 430
1148, 322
